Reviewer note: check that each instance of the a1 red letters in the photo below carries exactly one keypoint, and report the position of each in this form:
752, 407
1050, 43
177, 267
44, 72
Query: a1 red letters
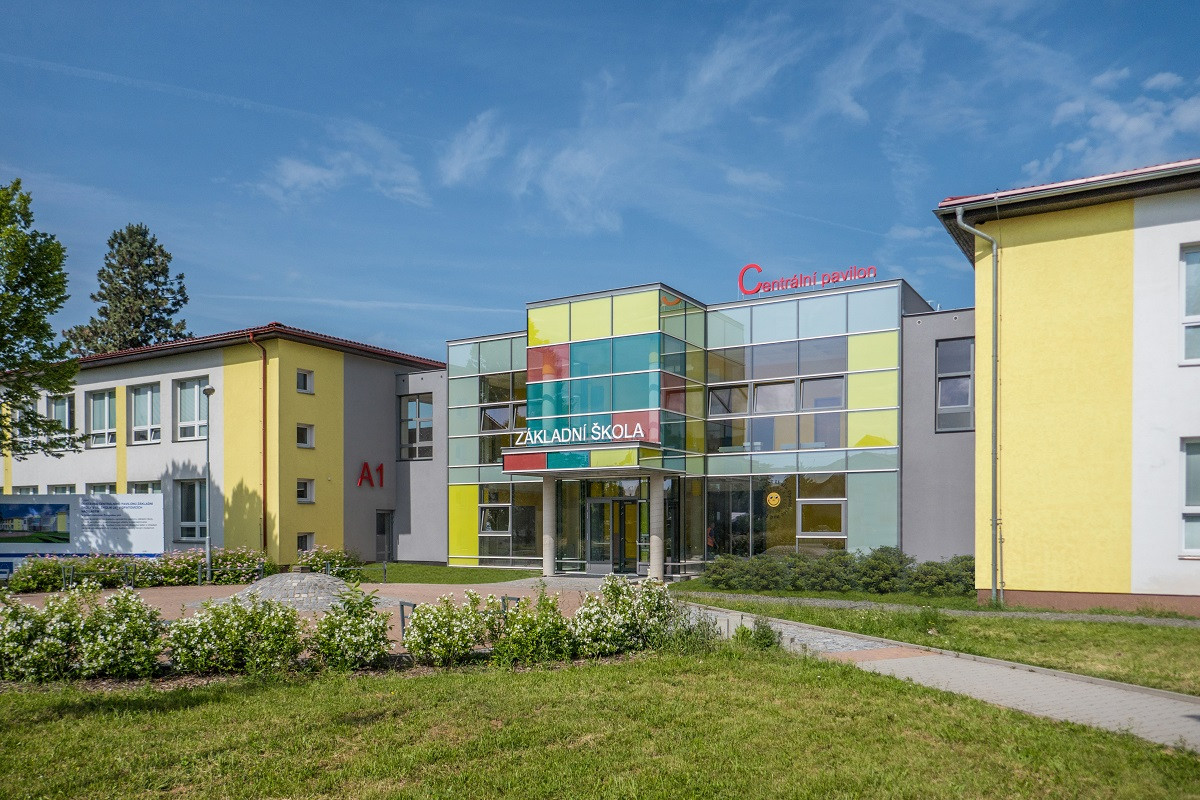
364, 474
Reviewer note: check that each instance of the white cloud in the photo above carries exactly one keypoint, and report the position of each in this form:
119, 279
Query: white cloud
1163, 81
363, 154
473, 150
1110, 78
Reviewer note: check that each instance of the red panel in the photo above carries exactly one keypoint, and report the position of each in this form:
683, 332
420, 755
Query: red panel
516, 462
647, 419
549, 363
674, 397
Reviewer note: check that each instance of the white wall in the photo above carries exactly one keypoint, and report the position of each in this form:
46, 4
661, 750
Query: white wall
1166, 396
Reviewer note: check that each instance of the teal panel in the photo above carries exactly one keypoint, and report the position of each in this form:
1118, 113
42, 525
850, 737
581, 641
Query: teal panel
567, 460
464, 391
887, 458
464, 421
591, 396
872, 508
635, 353
635, 391
591, 358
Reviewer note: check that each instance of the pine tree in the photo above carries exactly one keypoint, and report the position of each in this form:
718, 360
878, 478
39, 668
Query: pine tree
138, 299
33, 287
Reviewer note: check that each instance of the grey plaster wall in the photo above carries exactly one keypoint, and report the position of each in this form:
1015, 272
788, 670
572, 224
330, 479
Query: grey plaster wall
421, 502
937, 470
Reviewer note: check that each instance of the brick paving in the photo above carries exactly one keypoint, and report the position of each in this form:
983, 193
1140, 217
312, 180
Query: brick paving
1164, 717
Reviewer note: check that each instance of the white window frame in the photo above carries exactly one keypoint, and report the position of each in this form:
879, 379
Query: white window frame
192, 530
144, 487
99, 432
101, 488
24, 490
1188, 321
306, 542
61, 488
310, 435
305, 383
192, 429
151, 432
306, 490
411, 446
939, 377
68, 401
1190, 512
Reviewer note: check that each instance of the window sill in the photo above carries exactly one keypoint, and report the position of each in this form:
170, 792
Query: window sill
143, 444
100, 446
306, 502
190, 438
1191, 363
1190, 557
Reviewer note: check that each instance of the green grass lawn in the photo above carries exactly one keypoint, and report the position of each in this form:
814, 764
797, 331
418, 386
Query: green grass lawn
900, 598
1165, 658
434, 573
726, 724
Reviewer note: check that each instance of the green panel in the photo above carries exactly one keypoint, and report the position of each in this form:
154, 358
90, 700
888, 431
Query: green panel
773, 463
674, 321
635, 353
591, 319
630, 392
694, 327
872, 510
492, 474
518, 353
464, 391
462, 359
624, 457
635, 313
464, 451
729, 465
873, 389
495, 355
874, 351
464, 475
873, 459
463, 421
872, 428
821, 461
549, 325
567, 460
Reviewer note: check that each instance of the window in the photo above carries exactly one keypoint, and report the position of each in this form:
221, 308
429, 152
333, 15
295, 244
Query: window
822, 506
62, 409
305, 436
305, 542
192, 408
304, 381
955, 385
1191, 305
1191, 497
146, 426
193, 509
24, 490
102, 418
62, 488
728, 400
774, 398
416, 426
145, 487
101, 488
306, 490
823, 393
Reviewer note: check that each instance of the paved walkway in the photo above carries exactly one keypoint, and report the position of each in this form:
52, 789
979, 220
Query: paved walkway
1159, 716
1055, 616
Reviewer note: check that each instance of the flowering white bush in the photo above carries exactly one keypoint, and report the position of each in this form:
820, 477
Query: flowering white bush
341, 564
444, 634
353, 634
532, 632
253, 636
121, 638
41, 644
623, 616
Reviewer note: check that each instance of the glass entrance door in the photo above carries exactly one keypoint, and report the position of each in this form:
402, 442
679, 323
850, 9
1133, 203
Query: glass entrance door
612, 530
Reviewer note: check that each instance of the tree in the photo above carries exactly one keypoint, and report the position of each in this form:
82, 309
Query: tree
33, 287
138, 297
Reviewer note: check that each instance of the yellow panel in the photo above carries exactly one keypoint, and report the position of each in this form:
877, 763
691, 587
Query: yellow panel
872, 389
874, 351
8, 484
241, 410
635, 313
591, 319
549, 324
694, 396
626, 457
1066, 402
694, 435
122, 437
872, 428
325, 463
464, 524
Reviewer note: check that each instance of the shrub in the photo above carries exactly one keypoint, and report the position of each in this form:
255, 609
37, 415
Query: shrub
121, 638
239, 565
623, 617
954, 577
761, 637
41, 644
533, 632
340, 563
722, 571
255, 636
444, 634
37, 574
353, 635
832, 572
764, 573
884, 570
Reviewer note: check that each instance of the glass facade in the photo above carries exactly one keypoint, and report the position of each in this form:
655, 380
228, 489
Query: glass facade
773, 422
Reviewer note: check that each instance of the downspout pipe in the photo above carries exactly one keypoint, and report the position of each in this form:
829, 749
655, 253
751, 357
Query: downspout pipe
997, 588
263, 474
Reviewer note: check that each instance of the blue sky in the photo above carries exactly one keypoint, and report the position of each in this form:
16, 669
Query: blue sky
402, 174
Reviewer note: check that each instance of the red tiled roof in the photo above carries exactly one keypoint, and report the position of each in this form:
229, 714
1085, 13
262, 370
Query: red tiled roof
269, 331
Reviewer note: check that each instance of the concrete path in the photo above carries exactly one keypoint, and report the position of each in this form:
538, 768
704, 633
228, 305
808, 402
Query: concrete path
1159, 716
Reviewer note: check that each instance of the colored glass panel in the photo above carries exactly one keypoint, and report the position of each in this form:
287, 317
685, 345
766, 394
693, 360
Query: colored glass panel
647, 419
694, 327
823, 430
873, 310
727, 365
728, 327
518, 345
873, 459
639, 390
872, 428
635, 353
729, 465
462, 359
873, 351
591, 319
822, 316
567, 460
591, 396
495, 355
462, 422
821, 460
773, 433
464, 391
873, 389
495, 388
872, 510
463, 514
514, 462
464, 451
774, 463
694, 364
728, 400
634, 313
725, 435
774, 398
548, 363
463, 475
823, 356
591, 358
821, 519
819, 394
625, 457
774, 360
549, 324
774, 322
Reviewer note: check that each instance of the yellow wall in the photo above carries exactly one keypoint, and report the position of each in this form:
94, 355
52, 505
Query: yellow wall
1066, 402
242, 467
325, 463
464, 524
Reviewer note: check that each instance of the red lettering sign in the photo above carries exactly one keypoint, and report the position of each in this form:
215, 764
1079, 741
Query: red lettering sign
364, 474
799, 281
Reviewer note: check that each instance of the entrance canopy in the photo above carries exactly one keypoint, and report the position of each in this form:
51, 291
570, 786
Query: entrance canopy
618, 461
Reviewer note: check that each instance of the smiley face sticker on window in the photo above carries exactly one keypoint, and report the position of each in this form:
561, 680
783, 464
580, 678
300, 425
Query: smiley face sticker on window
773, 499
